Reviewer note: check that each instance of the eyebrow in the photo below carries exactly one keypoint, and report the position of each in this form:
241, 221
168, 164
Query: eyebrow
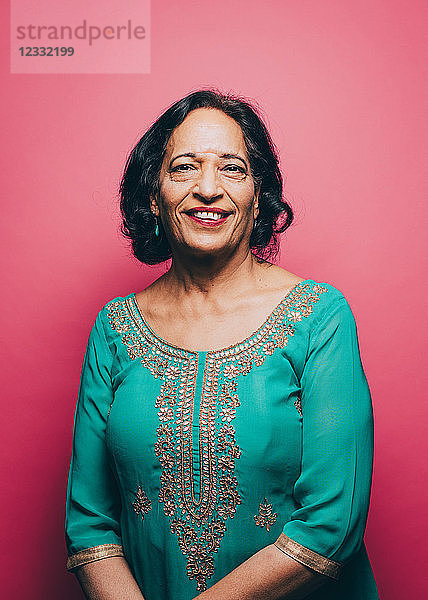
193, 155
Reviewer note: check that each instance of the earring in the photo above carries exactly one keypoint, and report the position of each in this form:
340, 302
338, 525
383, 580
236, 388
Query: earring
157, 227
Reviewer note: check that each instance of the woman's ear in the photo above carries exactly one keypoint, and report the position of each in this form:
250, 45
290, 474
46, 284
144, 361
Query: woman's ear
256, 205
154, 207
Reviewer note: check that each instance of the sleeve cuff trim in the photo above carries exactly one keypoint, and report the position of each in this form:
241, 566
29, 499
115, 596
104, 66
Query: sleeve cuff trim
308, 557
92, 554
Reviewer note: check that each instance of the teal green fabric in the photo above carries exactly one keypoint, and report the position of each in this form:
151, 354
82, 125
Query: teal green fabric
194, 461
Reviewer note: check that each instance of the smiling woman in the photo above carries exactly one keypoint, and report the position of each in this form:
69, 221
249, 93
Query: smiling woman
208, 199
223, 436
255, 162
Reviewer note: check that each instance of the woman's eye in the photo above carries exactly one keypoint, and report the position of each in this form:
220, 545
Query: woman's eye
182, 168
182, 171
235, 171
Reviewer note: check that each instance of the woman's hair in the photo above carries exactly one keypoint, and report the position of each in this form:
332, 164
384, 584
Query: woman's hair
140, 180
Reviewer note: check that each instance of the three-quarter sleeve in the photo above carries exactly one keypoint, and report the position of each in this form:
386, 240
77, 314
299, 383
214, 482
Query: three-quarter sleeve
92, 519
332, 492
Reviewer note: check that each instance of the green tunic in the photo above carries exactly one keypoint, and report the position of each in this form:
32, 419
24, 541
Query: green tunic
188, 463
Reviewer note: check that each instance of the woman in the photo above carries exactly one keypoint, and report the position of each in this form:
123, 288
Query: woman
223, 431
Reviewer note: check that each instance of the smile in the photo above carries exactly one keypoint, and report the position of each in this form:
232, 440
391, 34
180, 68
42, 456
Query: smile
208, 217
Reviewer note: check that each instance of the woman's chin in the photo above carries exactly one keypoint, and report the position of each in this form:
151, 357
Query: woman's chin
208, 249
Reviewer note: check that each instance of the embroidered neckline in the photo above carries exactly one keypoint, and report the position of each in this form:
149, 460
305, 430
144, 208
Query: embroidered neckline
221, 352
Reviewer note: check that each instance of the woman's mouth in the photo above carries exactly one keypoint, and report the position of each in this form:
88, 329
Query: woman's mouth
210, 217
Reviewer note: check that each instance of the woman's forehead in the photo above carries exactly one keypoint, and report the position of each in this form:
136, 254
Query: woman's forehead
207, 131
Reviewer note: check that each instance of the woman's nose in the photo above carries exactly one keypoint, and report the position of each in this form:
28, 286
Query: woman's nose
208, 184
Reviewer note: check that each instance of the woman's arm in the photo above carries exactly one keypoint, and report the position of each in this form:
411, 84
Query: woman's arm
93, 505
108, 579
267, 575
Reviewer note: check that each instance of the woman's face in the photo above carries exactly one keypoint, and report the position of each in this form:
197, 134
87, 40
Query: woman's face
207, 201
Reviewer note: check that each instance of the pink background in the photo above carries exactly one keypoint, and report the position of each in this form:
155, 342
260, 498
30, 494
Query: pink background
341, 84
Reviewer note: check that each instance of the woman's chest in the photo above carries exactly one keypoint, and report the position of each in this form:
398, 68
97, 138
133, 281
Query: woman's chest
204, 413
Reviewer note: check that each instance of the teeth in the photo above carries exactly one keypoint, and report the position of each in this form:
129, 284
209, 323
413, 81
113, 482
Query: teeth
212, 216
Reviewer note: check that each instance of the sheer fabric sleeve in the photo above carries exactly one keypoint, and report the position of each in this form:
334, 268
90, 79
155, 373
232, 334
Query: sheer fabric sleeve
92, 513
332, 491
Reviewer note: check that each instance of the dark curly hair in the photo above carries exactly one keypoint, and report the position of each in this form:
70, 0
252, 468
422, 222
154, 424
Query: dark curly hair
140, 179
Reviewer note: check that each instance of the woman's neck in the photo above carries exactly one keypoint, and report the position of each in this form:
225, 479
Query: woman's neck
208, 278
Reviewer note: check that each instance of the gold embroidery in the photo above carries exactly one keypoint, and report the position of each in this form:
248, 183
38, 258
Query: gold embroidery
308, 557
265, 515
298, 405
198, 518
92, 554
142, 504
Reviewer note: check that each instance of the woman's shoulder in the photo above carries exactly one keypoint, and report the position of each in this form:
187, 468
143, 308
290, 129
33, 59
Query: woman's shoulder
331, 302
115, 300
276, 276
115, 306
309, 296
309, 287
331, 293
